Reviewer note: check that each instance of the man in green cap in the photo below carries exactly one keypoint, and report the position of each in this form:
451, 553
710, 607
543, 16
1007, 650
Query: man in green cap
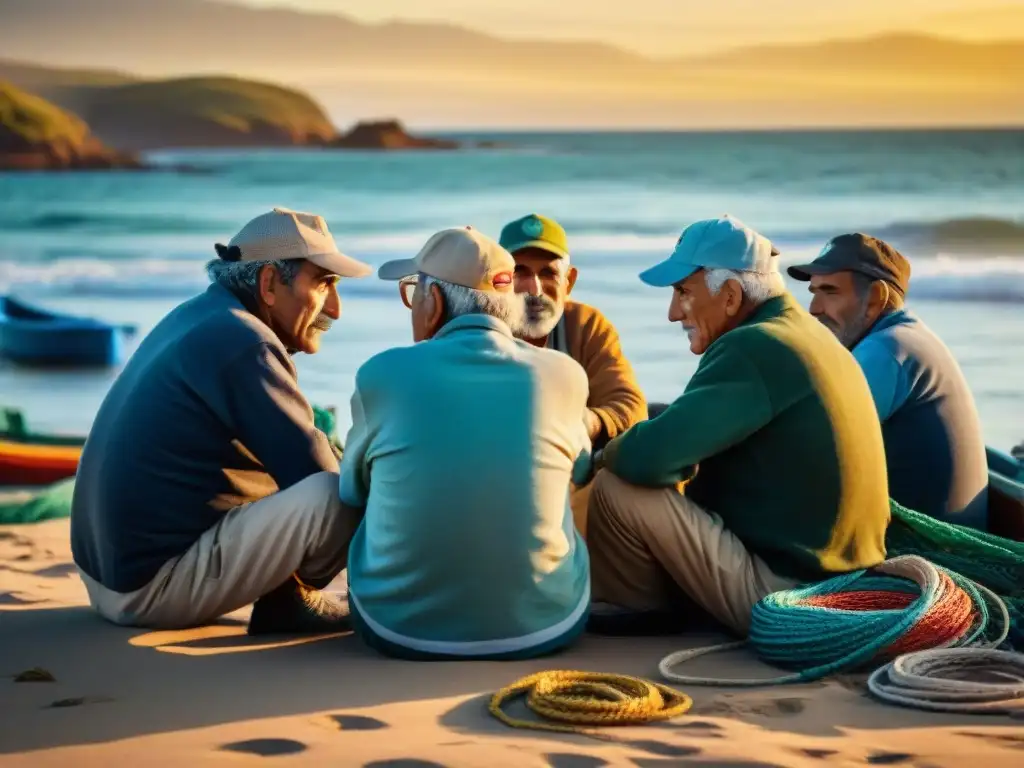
544, 273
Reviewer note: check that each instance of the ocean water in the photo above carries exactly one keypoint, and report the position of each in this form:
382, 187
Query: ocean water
129, 246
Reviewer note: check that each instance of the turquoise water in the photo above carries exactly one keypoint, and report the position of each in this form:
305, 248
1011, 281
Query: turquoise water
128, 246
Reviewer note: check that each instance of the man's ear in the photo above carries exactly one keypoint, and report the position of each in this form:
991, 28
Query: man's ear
878, 298
570, 280
733, 297
269, 281
436, 311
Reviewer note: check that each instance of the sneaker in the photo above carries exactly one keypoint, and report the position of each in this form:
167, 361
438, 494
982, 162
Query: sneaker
294, 608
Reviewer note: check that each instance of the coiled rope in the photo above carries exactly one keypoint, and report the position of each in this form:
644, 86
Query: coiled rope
947, 680
933, 625
844, 623
574, 699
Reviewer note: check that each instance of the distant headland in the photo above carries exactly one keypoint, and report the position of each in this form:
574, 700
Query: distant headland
89, 120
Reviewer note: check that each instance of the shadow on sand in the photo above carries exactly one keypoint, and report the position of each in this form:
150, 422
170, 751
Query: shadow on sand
114, 683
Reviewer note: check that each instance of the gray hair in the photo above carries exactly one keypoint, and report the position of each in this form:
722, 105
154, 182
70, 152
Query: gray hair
758, 287
459, 300
243, 277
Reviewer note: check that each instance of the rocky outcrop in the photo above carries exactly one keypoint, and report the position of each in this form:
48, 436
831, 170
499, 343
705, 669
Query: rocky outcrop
387, 135
38, 136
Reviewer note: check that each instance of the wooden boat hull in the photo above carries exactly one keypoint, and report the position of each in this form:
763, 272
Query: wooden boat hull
24, 464
1005, 495
32, 336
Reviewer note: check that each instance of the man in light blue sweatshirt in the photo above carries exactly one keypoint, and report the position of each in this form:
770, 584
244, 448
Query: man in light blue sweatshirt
935, 452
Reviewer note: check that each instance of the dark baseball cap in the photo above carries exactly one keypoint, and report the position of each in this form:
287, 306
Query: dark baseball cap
861, 253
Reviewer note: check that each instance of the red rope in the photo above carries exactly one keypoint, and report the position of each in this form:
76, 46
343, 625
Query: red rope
950, 616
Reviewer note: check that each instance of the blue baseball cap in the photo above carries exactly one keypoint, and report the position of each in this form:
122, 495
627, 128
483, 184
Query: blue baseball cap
722, 243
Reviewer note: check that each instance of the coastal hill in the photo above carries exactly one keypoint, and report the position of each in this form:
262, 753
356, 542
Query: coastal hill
202, 112
446, 75
134, 114
37, 135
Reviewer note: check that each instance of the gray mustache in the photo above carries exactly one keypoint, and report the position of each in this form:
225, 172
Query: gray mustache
323, 322
540, 302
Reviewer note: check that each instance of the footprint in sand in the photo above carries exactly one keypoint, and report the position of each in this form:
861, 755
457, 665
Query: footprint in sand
57, 571
731, 704
661, 748
817, 754
1011, 740
78, 701
353, 722
265, 747
889, 758
569, 760
10, 598
699, 729
404, 762
645, 762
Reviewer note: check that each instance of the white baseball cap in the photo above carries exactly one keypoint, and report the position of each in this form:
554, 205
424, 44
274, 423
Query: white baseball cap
459, 255
287, 234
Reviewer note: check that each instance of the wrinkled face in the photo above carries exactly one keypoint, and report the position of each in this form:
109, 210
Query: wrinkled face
299, 313
840, 307
704, 316
546, 281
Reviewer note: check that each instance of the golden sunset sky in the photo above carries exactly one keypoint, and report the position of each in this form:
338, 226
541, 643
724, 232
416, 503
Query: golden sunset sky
675, 27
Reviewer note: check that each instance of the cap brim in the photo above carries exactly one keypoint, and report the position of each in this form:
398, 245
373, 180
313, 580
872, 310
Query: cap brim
397, 269
554, 250
667, 273
803, 272
340, 264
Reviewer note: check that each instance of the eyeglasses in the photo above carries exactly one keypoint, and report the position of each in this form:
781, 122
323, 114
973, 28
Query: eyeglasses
406, 289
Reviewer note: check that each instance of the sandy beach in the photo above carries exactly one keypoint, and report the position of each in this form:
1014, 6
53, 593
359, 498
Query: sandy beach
214, 695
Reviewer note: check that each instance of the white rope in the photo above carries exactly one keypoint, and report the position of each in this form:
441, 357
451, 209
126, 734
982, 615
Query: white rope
940, 680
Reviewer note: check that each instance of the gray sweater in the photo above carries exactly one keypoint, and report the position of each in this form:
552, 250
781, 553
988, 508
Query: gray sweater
207, 415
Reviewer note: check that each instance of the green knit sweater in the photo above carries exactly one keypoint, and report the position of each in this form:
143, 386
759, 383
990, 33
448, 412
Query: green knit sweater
779, 425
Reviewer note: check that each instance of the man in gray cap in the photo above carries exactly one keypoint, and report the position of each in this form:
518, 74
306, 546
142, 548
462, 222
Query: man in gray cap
204, 484
460, 451
934, 447
774, 442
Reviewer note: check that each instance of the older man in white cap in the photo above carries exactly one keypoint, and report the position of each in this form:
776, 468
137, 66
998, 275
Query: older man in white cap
204, 484
775, 442
460, 452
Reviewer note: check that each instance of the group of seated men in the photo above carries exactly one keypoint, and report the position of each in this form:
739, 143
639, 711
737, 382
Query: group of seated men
503, 481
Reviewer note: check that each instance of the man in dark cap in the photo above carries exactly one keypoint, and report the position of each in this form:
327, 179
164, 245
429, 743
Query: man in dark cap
935, 452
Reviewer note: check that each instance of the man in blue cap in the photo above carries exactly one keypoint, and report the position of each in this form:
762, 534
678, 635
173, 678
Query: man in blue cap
774, 444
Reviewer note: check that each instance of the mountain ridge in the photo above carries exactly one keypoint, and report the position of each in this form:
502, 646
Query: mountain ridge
445, 76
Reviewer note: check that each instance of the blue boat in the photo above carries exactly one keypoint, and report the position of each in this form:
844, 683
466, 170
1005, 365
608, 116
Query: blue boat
33, 336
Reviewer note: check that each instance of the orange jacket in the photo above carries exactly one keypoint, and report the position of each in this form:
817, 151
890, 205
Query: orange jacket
591, 340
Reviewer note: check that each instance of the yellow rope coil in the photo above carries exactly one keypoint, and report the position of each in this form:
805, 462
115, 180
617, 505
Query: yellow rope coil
589, 698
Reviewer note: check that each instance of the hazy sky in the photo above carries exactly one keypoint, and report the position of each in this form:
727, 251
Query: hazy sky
675, 26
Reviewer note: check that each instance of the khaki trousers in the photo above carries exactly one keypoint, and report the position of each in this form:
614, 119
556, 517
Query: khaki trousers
579, 501
254, 548
643, 542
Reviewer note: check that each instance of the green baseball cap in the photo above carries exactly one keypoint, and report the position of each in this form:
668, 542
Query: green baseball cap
535, 231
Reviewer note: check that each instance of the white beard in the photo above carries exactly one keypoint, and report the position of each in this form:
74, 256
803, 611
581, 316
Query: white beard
538, 329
